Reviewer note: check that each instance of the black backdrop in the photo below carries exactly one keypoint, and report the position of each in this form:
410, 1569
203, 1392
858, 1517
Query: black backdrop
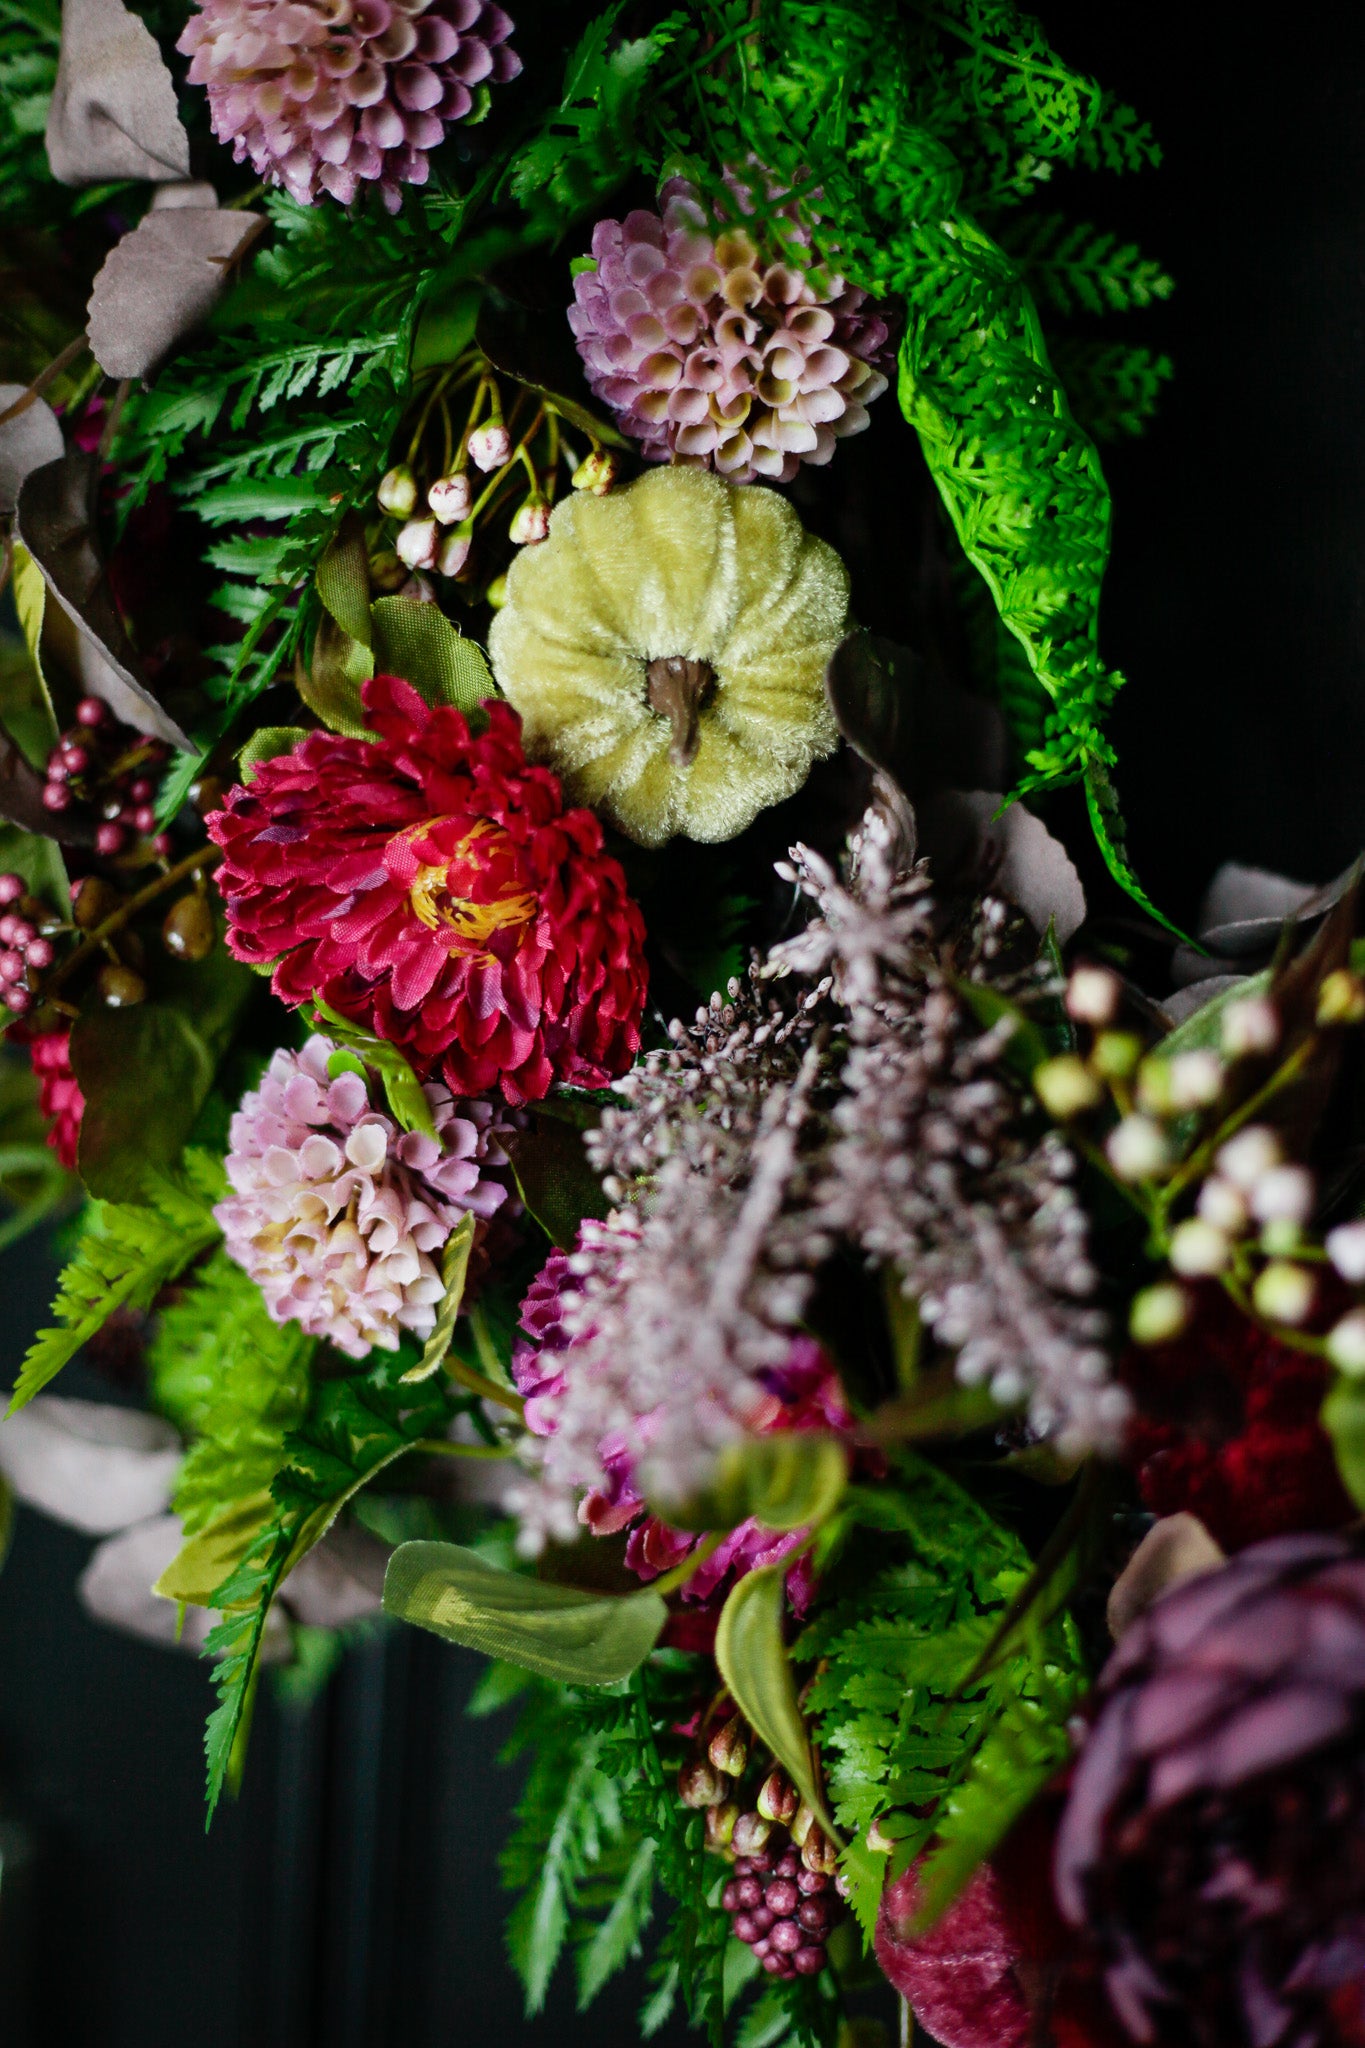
351, 1897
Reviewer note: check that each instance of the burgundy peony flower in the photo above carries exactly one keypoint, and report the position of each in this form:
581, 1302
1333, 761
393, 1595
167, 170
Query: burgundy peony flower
431, 885
59, 1093
1227, 1427
1213, 1842
324, 95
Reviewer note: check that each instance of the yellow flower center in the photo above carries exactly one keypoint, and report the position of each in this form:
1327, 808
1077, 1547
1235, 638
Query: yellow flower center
468, 920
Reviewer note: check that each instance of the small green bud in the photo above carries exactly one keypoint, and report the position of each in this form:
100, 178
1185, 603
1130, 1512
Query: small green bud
729, 1748
1158, 1314
1066, 1087
1115, 1054
1283, 1293
720, 1825
777, 1798
1341, 998
699, 1785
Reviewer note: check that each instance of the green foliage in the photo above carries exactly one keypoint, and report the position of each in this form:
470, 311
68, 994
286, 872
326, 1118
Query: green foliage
353, 1428
1114, 387
903, 1736
599, 1831
231, 1378
29, 36
1076, 268
126, 1254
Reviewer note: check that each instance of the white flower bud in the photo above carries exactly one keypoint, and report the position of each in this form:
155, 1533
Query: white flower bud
1223, 1205
1197, 1078
1283, 1293
397, 491
450, 497
1198, 1248
1284, 1195
418, 542
1066, 1087
1158, 1313
1092, 995
490, 446
454, 553
1246, 1157
1346, 1344
1138, 1149
530, 523
1249, 1026
1346, 1250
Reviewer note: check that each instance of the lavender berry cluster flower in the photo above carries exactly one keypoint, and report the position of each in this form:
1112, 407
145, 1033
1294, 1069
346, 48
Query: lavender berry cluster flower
325, 95
336, 1213
715, 354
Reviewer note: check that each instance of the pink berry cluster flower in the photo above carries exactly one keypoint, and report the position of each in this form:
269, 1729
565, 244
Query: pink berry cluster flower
24, 950
60, 1098
779, 1907
324, 95
337, 1214
102, 763
716, 354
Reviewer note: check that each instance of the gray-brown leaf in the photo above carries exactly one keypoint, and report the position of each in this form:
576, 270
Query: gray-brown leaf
54, 522
27, 440
160, 281
113, 111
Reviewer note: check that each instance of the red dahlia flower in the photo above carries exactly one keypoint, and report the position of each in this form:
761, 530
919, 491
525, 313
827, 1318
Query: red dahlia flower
431, 885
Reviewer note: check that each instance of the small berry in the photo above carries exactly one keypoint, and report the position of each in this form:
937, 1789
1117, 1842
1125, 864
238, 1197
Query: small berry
141, 789
92, 712
188, 931
18, 998
40, 953
11, 965
94, 900
110, 839
122, 988
56, 797
58, 768
11, 888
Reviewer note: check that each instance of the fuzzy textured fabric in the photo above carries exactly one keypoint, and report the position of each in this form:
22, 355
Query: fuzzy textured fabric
678, 567
714, 355
327, 95
336, 1213
430, 884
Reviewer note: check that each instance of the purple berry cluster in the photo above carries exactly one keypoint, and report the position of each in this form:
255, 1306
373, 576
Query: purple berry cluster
113, 769
24, 949
782, 1909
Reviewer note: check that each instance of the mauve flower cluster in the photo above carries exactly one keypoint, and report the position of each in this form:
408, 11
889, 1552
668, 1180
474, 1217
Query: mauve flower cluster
431, 884
336, 1213
549, 1365
59, 1093
712, 353
1214, 1839
324, 95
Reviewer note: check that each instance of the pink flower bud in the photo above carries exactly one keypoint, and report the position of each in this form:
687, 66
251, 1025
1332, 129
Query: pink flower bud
530, 523
418, 542
490, 446
397, 491
450, 497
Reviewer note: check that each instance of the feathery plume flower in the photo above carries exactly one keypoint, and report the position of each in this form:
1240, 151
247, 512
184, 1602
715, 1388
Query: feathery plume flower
431, 884
718, 355
1214, 1837
336, 1213
327, 95
551, 1364
60, 1099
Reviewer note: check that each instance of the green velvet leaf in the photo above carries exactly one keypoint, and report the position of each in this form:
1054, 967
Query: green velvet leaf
557, 1631
418, 642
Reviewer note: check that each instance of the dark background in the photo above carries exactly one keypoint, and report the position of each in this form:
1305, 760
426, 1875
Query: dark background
351, 1897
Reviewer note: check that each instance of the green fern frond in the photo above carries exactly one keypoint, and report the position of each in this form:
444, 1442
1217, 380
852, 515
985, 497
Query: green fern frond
126, 1254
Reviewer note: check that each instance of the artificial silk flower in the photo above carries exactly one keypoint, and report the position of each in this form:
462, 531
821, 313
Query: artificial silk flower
431, 885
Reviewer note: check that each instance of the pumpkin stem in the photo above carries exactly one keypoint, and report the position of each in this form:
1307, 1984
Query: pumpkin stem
678, 689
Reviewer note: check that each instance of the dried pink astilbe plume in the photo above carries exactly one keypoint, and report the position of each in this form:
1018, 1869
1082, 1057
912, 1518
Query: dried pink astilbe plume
718, 351
324, 95
337, 1214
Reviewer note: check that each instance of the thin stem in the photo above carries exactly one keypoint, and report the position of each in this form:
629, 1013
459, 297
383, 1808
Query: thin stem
193, 863
45, 377
475, 1383
1202, 1157
441, 1447
681, 1573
